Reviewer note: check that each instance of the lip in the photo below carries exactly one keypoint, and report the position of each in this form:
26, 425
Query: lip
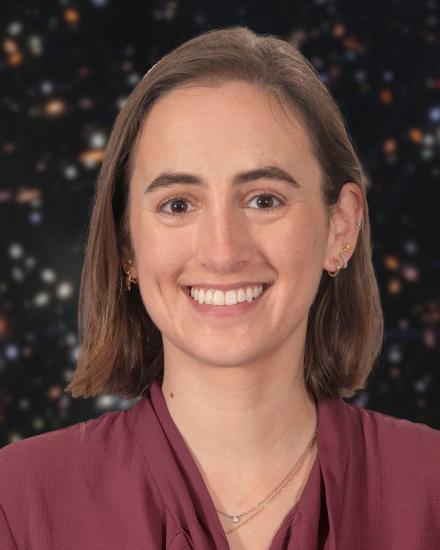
226, 311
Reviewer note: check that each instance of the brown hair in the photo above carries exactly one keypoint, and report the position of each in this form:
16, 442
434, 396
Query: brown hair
118, 341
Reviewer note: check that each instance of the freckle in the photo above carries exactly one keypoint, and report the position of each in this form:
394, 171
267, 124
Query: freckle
172, 394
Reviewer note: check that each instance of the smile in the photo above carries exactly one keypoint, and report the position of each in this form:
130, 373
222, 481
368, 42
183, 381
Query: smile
219, 305
217, 297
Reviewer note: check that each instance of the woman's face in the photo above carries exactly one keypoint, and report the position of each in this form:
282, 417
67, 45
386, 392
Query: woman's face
223, 233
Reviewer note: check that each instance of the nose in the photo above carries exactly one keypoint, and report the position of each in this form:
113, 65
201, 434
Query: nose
224, 239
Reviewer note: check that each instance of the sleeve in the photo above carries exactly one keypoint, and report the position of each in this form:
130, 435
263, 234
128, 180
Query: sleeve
6, 538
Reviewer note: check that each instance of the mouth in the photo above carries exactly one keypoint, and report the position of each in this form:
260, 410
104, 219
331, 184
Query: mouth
187, 289
213, 311
266, 286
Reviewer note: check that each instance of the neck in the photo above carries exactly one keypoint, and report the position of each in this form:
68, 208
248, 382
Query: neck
250, 416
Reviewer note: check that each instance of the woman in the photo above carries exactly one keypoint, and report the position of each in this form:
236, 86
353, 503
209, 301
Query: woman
227, 284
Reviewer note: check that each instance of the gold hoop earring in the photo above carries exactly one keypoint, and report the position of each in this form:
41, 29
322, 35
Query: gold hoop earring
335, 273
344, 258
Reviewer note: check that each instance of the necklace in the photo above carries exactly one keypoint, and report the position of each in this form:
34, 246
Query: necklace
236, 518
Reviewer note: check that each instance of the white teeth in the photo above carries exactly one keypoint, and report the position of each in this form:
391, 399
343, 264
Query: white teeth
241, 295
209, 297
219, 298
201, 296
230, 297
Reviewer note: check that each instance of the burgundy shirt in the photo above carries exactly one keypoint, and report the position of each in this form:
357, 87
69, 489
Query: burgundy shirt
127, 481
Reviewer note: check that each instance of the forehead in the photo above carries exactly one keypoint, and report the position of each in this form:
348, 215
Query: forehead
211, 125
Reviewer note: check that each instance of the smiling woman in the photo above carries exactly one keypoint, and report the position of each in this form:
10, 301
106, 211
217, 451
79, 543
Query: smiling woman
228, 285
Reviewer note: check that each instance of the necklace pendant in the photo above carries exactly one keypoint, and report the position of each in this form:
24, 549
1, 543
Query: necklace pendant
235, 519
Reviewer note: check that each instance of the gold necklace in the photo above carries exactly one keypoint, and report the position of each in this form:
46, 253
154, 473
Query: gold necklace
235, 518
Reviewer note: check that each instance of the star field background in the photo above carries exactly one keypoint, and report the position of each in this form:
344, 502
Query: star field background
66, 69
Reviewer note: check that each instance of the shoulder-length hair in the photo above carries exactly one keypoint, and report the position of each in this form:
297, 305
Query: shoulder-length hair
121, 349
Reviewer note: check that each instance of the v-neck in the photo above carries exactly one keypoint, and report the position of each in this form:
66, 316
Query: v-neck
160, 405
180, 481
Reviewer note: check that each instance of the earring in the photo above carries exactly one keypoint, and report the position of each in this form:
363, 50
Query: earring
338, 268
344, 259
346, 247
129, 279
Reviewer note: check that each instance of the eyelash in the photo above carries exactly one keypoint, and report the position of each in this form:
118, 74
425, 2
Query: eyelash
186, 198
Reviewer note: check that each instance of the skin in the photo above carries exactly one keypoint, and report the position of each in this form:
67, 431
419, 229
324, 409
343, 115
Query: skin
234, 386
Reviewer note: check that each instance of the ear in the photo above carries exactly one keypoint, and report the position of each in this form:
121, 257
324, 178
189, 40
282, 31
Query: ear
343, 230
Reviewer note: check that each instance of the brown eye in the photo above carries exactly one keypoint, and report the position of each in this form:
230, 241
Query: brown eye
265, 201
178, 206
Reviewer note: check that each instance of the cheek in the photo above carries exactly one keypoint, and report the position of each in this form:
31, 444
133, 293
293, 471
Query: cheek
297, 246
160, 262
298, 258
160, 254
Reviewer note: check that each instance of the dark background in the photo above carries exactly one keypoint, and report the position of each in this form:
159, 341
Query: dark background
65, 70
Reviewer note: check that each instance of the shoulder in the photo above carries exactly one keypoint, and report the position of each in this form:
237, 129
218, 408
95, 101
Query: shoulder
389, 430
50, 455
400, 446
88, 478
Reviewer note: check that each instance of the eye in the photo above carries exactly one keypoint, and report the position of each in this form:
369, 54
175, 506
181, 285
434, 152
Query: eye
266, 200
179, 200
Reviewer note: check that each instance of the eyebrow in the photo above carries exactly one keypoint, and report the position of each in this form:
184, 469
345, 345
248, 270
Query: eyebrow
167, 179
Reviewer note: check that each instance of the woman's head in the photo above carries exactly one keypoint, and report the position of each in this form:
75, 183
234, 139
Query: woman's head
225, 103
